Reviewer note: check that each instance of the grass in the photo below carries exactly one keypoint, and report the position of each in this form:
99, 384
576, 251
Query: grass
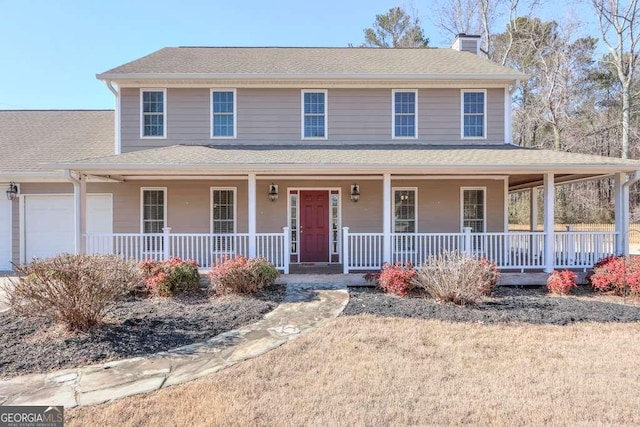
379, 371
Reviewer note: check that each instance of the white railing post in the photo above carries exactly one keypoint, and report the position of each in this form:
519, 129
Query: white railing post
286, 250
468, 249
165, 243
549, 222
345, 250
251, 193
386, 218
570, 250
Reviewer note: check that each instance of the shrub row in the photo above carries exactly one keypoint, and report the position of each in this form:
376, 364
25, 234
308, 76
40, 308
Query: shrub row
77, 290
448, 277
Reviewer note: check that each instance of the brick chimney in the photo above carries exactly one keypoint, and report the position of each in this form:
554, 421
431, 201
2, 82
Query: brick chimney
467, 43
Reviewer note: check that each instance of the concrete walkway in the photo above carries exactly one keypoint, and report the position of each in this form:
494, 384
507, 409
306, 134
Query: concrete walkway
306, 307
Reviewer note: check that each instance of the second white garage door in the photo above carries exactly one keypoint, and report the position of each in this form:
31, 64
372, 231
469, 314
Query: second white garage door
49, 222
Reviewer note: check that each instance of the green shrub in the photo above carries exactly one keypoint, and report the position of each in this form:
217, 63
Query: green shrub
456, 277
241, 275
172, 277
75, 290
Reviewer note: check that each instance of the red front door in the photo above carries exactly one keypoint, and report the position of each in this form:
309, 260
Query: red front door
314, 226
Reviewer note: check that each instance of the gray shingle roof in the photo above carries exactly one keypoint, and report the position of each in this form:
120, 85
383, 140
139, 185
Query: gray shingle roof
351, 157
310, 61
31, 138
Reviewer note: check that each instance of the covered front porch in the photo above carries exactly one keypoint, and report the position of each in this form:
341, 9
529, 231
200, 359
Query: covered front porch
357, 222
357, 206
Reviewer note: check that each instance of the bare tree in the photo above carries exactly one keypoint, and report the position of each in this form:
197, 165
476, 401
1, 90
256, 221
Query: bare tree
620, 33
479, 17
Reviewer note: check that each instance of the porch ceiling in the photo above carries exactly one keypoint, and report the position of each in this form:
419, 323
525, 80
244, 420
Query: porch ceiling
524, 165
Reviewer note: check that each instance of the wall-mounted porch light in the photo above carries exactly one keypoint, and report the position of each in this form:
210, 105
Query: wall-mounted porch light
273, 192
12, 191
355, 192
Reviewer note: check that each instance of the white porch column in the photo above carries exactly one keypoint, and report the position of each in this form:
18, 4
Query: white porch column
252, 214
80, 212
533, 208
386, 217
549, 222
619, 212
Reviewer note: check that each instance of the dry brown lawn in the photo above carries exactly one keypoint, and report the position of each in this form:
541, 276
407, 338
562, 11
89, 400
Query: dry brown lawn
375, 371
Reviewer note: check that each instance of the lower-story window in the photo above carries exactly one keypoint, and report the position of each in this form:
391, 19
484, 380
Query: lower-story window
473, 209
223, 219
404, 210
154, 214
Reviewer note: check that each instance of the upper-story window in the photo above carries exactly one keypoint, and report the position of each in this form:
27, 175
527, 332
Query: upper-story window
153, 112
314, 114
405, 111
474, 114
223, 113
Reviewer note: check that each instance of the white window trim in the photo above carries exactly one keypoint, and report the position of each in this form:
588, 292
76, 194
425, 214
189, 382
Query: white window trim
484, 122
166, 204
326, 116
393, 113
235, 207
484, 206
393, 208
164, 112
235, 112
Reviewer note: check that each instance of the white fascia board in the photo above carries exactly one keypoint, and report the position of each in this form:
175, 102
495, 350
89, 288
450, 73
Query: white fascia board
117, 77
195, 169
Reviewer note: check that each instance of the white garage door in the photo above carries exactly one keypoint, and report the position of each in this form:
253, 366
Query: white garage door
49, 223
5, 234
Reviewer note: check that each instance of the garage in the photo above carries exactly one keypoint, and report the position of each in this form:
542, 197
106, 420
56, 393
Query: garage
5, 235
49, 222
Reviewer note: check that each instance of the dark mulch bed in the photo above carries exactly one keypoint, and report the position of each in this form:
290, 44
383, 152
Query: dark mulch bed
528, 305
134, 327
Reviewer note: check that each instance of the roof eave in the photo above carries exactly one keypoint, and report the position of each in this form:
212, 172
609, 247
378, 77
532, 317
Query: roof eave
305, 76
368, 168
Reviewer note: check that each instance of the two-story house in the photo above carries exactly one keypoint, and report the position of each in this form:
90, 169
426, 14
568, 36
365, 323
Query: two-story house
350, 156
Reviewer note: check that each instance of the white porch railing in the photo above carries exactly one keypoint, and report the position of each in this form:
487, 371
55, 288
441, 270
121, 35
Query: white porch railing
205, 249
582, 249
511, 250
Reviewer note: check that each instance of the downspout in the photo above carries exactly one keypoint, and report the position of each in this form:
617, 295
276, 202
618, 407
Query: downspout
116, 121
625, 224
77, 209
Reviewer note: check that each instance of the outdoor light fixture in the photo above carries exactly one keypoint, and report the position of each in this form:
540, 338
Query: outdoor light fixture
355, 192
12, 191
273, 192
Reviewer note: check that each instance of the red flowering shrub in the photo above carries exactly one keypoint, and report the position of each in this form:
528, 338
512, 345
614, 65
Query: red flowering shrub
172, 277
242, 275
616, 274
561, 282
396, 279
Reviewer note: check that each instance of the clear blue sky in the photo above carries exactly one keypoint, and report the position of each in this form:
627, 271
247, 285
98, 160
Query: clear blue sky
52, 49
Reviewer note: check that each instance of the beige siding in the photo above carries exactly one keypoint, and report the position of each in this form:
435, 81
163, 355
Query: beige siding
189, 204
363, 216
439, 204
267, 116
